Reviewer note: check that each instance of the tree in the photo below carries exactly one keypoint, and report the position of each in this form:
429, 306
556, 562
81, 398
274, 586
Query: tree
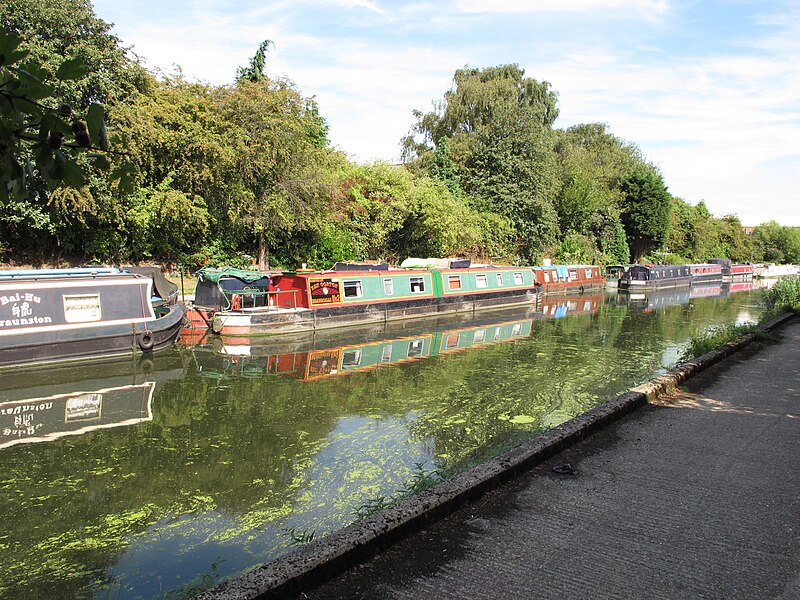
645, 211
280, 183
497, 124
776, 243
60, 70
41, 142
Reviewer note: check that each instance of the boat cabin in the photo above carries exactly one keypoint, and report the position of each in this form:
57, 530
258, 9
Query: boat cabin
563, 278
654, 276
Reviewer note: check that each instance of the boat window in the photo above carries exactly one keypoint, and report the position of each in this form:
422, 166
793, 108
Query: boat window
519, 279
451, 341
386, 355
82, 309
499, 280
414, 348
573, 274
480, 335
417, 284
352, 288
546, 277
588, 273
497, 332
481, 280
454, 282
516, 329
388, 286
351, 358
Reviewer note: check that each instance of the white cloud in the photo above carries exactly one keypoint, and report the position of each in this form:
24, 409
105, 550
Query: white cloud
560, 6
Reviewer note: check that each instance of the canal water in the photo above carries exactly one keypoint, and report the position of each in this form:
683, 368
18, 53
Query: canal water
157, 477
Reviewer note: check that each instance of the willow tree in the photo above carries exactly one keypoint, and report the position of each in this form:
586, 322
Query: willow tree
498, 126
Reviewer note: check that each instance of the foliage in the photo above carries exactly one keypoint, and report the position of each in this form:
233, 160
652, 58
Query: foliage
716, 337
646, 211
575, 249
776, 243
784, 295
218, 174
41, 141
496, 127
279, 186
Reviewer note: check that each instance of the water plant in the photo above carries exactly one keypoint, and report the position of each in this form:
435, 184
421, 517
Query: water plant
301, 537
716, 337
421, 480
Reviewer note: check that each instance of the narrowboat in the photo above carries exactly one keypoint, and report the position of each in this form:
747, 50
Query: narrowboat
353, 294
69, 314
706, 273
733, 271
568, 278
613, 273
641, 277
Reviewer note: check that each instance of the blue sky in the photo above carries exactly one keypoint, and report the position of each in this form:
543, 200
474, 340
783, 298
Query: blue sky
710, 91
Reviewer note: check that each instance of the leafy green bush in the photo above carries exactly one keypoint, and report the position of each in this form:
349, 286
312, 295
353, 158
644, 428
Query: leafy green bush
784, 295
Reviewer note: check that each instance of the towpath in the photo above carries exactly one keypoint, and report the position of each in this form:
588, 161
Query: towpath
695, 496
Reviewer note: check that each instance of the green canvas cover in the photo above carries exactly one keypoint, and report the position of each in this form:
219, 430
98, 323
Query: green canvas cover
246, 275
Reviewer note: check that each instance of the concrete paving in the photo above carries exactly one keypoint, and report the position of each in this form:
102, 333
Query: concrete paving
695, 495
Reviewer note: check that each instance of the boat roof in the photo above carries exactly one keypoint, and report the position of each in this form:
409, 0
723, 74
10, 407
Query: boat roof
56, 273
246, 275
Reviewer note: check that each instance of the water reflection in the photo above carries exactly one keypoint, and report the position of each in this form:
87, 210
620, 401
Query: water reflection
244, 449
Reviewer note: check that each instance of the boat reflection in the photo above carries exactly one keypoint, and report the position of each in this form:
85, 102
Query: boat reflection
662, 298
267, 357
558, 307
359, 349
48, 404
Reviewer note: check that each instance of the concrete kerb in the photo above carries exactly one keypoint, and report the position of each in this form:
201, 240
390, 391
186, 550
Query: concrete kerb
321, 559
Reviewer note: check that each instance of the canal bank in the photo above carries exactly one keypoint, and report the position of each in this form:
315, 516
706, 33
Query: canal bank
660, 503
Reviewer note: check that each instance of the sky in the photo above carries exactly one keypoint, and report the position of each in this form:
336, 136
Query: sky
708, 90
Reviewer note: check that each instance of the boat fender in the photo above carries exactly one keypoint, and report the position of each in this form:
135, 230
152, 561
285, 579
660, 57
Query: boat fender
236, 302
581, 289
145, 341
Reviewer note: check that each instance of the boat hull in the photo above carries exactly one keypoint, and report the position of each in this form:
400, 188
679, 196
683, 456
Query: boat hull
116, 340
269, 321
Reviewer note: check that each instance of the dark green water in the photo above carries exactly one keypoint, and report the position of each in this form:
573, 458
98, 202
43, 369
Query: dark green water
157, 477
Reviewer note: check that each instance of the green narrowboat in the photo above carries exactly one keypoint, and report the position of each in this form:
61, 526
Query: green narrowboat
349, 294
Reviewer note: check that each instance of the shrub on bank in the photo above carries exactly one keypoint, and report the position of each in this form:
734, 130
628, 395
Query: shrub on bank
784, 295
717, 337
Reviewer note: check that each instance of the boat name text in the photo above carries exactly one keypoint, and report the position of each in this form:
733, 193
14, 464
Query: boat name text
19, 297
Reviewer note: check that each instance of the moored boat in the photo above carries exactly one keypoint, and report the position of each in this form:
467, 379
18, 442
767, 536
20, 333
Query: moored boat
734, 271
613, 273
706, 273
68, 314
655, 276
568, 278
774, 271
352, 294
